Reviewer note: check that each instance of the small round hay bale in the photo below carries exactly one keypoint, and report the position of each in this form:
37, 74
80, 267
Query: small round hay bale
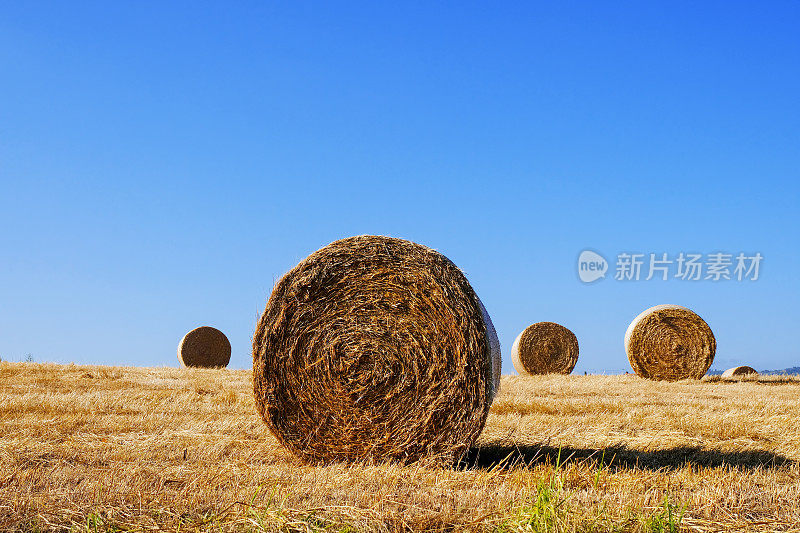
545, 348
738, 371
204, 347
670, 342
375, 348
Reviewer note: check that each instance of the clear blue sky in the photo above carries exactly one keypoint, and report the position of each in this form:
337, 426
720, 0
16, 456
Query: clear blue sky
162, 163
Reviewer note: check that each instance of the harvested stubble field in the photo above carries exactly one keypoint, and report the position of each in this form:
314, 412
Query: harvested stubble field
113, 448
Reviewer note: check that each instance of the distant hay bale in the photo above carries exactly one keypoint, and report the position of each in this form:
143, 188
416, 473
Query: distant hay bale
204, 347
737, 371
670, 342
375, 348
545, 348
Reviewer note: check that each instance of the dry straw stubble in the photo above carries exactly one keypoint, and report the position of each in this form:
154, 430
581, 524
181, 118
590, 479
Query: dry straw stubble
204, 347
545, 348
375, 348
670, 342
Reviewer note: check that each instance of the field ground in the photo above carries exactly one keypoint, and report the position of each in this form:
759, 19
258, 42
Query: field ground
89, 448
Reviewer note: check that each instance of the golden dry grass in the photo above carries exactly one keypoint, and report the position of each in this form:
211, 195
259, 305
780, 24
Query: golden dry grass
111, 448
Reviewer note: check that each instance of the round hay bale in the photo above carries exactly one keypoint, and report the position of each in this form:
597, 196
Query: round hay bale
545, 348
494, 349
670, 342
375, 348
743, 370
204, 347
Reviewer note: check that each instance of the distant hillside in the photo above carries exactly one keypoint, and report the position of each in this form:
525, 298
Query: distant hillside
794, 371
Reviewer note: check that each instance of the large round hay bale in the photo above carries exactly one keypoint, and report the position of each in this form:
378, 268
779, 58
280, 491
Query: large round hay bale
670, 342
545, 348
739, 371
204, 347
375, 348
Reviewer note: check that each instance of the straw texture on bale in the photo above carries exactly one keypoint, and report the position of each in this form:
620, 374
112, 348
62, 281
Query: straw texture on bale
545, 348
204, 347
668, 343
375, 348
743, 370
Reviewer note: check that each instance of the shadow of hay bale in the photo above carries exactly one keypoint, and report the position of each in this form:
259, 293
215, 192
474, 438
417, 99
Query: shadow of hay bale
493, 456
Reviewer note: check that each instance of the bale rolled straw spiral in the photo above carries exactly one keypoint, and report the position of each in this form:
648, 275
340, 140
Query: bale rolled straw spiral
375, 348
739, 371
204, 347
545, 348
670, 342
